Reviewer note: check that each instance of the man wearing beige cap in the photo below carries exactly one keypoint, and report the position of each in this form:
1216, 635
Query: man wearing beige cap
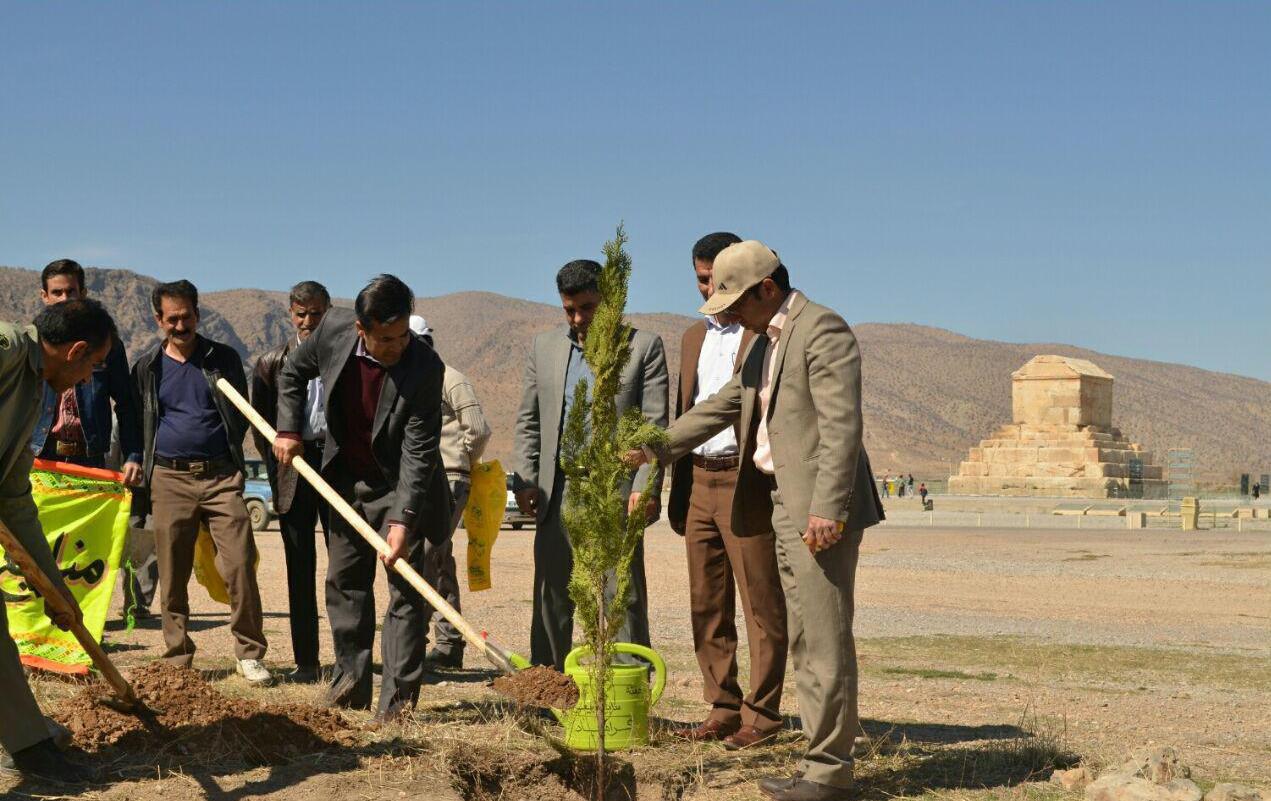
797, 400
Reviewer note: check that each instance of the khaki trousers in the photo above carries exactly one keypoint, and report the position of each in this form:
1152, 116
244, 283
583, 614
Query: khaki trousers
819, 599
180, 502
722, 566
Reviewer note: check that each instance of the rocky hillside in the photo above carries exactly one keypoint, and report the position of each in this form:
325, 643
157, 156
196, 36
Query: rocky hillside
930, 394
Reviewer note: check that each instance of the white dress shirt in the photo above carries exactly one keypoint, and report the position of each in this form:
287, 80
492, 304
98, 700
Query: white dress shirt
714, 370
315, 423
763, 447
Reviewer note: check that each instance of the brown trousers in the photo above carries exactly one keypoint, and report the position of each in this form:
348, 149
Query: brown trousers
718, 562
180, 501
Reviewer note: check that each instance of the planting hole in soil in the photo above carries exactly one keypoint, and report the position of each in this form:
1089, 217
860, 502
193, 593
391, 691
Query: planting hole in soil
486, 774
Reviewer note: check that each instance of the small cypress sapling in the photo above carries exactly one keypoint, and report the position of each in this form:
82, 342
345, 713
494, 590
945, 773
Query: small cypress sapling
601, 534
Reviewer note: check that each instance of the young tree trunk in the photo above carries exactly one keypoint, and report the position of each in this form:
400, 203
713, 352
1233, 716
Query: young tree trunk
602, 778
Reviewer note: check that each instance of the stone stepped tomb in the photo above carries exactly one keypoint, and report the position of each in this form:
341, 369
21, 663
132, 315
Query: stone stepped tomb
1061, 443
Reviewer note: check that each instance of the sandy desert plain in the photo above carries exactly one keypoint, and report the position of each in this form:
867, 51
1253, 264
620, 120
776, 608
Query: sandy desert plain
988, 658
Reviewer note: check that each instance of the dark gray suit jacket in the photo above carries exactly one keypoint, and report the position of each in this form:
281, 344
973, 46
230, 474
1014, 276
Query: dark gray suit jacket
407, 428
536, 448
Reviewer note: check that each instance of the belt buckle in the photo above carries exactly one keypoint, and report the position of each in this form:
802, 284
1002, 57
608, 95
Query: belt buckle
65, 448
197, 468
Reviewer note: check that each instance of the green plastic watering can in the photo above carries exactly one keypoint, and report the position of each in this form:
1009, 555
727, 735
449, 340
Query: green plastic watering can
628, 698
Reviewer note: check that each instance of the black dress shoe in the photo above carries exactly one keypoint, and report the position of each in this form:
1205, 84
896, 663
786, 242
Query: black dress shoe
43, 761
340, 693
804, 790
443, 659
303, 675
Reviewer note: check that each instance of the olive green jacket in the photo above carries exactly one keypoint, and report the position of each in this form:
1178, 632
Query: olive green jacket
21, 400
814, 426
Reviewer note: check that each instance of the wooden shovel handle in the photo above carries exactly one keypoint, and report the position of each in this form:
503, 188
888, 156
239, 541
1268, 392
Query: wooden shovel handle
53, 598
496, 655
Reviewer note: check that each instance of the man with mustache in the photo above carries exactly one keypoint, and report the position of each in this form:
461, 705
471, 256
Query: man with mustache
299, 505
194, 466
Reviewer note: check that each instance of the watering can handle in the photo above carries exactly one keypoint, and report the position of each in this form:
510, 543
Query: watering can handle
659, 666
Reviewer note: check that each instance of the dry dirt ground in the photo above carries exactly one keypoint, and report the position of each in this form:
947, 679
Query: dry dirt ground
987, 658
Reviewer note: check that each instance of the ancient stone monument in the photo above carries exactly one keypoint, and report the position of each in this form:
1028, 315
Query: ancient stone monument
1062, 442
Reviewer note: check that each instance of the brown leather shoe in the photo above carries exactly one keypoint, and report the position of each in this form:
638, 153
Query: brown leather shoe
707, 730
748, 737
804, 790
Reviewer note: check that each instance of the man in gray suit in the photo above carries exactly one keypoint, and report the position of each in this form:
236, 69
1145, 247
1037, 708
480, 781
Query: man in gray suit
797, 399
554, 368
383, 424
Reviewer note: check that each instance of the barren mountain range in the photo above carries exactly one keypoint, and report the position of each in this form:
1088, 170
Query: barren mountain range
929, 394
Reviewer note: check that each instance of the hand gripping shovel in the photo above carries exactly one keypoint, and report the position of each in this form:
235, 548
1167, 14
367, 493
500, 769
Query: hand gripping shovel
125, 699
501, 659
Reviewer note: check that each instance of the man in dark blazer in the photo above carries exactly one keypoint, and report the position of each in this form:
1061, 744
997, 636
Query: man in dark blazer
721, 564
383, 417
299, 505
554, 368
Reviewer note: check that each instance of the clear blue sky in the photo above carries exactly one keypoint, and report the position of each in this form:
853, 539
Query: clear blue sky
1090, 173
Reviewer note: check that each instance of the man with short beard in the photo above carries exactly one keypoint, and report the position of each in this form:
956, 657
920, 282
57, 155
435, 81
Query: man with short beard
38, 363
299, 505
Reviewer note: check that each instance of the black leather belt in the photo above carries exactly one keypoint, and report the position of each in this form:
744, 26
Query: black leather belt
716, 463
198, 467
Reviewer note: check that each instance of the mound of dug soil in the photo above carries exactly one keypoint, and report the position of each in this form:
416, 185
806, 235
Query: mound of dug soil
482, 773
539, 686
185, 715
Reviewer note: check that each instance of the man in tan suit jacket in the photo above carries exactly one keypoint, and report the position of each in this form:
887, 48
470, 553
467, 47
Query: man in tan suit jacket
722, 565
798, 402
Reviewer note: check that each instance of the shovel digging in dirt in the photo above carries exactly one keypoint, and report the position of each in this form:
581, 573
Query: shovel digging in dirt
505, 661
125, 700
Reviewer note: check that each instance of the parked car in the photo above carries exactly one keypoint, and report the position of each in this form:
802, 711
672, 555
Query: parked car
512, 514
258, 495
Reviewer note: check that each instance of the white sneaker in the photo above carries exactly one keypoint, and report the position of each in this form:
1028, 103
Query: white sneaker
254, 671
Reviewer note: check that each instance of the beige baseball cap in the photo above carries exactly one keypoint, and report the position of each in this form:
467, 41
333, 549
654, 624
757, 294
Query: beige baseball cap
737, 268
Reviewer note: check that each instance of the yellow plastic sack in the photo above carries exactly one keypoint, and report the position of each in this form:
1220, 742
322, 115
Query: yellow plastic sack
482, 518
205, 571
